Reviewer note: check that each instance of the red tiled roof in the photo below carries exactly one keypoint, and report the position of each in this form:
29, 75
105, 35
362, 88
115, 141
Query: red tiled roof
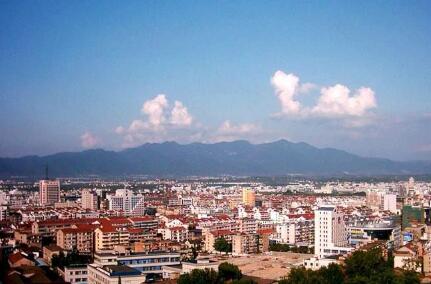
265, 231
68, 221
14, 258
178, 228
141, 218
222, 232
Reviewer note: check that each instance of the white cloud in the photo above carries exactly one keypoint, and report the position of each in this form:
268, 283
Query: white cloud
180, 115
334, 101
120, 130
155, 109
229, 131
286, 86
88, 140
229, 128
161, 123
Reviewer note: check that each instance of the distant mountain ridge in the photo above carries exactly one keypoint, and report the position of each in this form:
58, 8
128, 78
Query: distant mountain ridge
197, 159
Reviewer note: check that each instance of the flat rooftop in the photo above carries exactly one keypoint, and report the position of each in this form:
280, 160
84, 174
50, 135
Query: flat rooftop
272, 265
121, 270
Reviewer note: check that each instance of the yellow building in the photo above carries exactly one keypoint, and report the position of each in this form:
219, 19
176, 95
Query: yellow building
248, 197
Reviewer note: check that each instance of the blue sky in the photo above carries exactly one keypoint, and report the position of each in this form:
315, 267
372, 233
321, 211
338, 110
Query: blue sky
77, 74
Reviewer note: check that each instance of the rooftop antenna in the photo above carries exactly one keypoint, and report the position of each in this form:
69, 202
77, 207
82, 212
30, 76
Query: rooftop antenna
46, 171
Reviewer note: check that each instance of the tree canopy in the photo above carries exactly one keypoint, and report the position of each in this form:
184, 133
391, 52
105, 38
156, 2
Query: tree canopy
227, 273
222, 245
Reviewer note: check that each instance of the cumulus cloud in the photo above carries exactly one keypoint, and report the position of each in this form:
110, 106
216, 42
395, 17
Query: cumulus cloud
155, 109
160, 122
229, 128
180, 115
229, 131
334, 101
88, 140
286, 86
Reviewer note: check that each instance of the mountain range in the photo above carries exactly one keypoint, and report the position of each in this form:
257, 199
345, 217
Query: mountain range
239, 158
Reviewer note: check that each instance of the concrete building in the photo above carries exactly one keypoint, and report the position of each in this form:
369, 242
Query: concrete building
316, 263
299, 232
126, 201
107, 237
330, 236
390, 203
89, 200
248, 197
212, 236
360, 233
49, 192
74, 274
249, 243
3, 212
173, 272
145, 263
114, 274
79, 238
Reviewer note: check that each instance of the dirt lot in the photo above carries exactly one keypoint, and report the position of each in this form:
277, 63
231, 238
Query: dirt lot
272, 265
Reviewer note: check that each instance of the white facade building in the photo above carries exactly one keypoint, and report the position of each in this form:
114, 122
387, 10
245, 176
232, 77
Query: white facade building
128, 202
330, 236
89, 199
390, 203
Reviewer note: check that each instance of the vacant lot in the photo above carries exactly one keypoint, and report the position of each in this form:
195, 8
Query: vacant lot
272, 265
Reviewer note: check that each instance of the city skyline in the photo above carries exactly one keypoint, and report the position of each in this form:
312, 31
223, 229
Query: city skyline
115, 76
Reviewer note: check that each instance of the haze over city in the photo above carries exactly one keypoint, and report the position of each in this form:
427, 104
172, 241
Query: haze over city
82, 75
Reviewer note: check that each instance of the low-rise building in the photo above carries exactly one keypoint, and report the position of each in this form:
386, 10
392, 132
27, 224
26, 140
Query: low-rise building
114, 274
75, 274
144, 262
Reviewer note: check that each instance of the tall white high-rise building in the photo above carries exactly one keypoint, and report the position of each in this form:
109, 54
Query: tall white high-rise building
330, 235
390, 202
3, 212
128, 202
89, 199
49, 192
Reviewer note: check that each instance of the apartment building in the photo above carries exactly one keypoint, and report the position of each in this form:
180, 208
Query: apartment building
89, 199
212, 236
146, 262
247, 225
80, 238
107, 237
126, 201
114, 274
330, 236
249, 243
49, 192
74, 274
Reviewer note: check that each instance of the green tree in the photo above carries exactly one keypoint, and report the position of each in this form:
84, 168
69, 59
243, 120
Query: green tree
244, 281
199, 276
332, 274
410, 277
184, 279
222, 245
358, 279
365, 263
301, 275
229, 271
